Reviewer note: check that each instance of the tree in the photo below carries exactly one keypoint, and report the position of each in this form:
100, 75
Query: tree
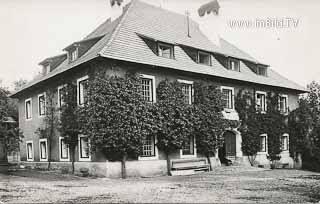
114, 116
118, 2
50, 122
19, 83
209, 122
69, 111
173, 118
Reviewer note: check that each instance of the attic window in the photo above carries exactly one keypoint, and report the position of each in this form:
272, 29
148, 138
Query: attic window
165, 50
262, 70
233, 64
47, 68
73, 54
204, 58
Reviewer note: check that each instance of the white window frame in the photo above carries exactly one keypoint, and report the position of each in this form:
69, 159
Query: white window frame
79, 148
154, 97
191, 91
25, 108
266, 144
204, 53
229, 64
288, 142
156, 152
59, 90
166, 45
40, 95
46, 145
76, 51
194, 155
232, 97
265, 101
27, 150
287, 103
78, 88
60, 151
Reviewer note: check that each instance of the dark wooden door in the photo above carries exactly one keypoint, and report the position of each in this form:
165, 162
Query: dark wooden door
230, 143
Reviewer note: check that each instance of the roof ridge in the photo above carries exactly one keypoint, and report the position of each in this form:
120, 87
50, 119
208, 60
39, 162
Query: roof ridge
108, 21
116, 30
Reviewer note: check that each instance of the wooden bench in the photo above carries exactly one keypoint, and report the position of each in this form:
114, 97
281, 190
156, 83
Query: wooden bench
192, 165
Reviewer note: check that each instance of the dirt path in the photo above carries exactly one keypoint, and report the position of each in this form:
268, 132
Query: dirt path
228, 184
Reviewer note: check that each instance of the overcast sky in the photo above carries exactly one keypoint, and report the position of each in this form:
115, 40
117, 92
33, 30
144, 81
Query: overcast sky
32, 30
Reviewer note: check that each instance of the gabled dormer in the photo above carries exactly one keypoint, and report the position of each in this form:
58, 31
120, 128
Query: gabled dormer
51, 63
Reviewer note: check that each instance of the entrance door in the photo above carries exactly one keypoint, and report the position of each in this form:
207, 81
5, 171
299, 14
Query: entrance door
230, 144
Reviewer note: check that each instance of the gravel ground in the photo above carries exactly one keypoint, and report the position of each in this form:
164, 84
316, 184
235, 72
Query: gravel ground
225, 184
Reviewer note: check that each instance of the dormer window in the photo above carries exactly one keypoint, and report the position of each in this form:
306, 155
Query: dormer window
233, 64
47, 68
73, 54
204, 58
165, 50
261, 70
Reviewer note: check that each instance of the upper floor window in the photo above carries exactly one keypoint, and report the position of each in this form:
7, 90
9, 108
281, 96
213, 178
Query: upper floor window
28, 108
41, 104
262, 70
60, 96
228, 97
73, 54
165, 50
263, 143
261, 102
84, 148
285, 142
233, 64
204, 58
283, 103
82, 90
148, 89
187, 90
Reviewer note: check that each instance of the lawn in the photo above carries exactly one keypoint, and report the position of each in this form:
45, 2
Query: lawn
225, 184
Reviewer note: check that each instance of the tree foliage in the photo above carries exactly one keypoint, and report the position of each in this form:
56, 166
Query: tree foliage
114, 2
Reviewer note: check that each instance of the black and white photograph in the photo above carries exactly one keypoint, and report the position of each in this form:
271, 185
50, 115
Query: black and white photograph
159, 101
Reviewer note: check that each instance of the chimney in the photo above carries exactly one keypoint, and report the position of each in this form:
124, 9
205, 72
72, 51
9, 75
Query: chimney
210, 23
115, 11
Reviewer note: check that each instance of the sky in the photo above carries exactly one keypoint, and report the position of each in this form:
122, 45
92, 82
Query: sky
32, 30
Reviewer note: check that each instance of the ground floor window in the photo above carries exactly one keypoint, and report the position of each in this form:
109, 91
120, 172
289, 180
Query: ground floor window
189, 147
64, 150
285, 142
43, 149
30, 155
148, 147
84, 148
263, 143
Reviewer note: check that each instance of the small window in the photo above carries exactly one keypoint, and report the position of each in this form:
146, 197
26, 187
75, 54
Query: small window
188, 148
263, 143
60, 96
30, 155
84, 148
74, 55
283, 104
148, 88
261, 102
41, 104
227, 97
43, 150
233, 64
165, 50
82, 90
285, 142
187, 90
64, 150
204, 58
28, 108
261, 70
148, 147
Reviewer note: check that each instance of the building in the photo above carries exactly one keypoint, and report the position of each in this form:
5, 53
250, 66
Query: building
157, 44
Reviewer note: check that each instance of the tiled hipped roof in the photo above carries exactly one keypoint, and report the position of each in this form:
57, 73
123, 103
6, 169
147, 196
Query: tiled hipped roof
122, 41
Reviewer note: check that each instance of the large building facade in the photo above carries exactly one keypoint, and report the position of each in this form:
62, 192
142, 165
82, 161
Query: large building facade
156, 44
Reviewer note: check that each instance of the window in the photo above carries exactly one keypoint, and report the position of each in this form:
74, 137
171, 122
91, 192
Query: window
261, 70
84, 149
148, 147
43, 150
189, 147
60, 96
29, 147
82, 90
283, 103
148, 89
165, 50
233, 64
41, 104
261, 103
263, 143
74, 54
187, 90
64, 150
285, 142
28, 108
204, 58
227, 97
